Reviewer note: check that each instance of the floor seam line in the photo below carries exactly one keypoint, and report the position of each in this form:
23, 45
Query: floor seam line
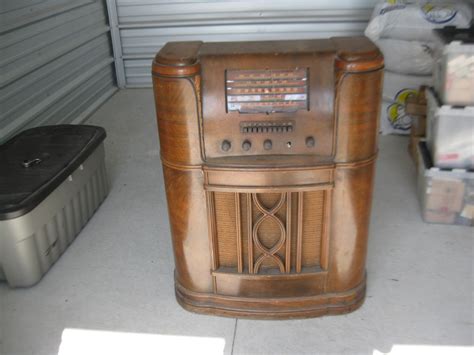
233, 338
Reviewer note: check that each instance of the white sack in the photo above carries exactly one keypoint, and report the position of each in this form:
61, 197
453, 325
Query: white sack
415, 20
394, 83
407, 57
396, 89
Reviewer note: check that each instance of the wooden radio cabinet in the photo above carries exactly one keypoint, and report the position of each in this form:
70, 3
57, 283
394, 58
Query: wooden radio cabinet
268, 152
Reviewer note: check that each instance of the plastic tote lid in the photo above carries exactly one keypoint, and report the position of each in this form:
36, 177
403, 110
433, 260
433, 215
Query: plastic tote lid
450, 34
36, 161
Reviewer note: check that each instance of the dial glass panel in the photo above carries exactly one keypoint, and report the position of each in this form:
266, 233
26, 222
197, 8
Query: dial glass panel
267, 90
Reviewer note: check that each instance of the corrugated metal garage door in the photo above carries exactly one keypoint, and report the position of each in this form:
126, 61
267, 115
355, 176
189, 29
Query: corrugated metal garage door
56, 62
141, 27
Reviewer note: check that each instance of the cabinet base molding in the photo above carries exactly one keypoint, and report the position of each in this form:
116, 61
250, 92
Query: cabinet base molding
271, 308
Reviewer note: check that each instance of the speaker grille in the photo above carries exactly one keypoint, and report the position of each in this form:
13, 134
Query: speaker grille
268, 233
313, 213
226, 229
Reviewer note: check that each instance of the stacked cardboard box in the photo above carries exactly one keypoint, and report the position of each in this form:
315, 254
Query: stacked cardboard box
446, 158
454, 67
446, 196
450, 134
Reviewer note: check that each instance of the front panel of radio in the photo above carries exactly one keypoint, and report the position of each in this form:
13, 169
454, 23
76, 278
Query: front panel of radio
268, 152
275, 105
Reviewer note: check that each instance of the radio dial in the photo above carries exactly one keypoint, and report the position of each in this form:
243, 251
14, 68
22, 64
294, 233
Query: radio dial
267, 144
310, 142
246, 145
225, 145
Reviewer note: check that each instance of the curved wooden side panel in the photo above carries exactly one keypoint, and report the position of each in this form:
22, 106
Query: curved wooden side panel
178, 118
178, 59
177, 85
358, 97
351, 205
188, 220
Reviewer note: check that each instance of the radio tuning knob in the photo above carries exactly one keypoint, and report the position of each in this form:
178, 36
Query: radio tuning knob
267, 144
310, 142
225, 146
246, 145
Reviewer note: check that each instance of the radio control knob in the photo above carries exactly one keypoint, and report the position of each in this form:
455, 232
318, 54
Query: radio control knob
225, 146
267, 144
246, 145
310, 142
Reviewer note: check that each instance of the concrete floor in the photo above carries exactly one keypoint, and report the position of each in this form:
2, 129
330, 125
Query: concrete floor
118, 274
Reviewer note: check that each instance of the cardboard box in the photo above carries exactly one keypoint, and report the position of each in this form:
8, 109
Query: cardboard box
446, 196
439, 217
450, 134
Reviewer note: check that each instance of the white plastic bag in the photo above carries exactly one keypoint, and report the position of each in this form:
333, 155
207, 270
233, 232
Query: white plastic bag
396, 89
415, 20
407, 57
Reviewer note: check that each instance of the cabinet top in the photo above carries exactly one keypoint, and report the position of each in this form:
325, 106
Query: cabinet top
351, 53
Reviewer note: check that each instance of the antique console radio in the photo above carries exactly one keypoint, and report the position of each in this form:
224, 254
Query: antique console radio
268, 152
